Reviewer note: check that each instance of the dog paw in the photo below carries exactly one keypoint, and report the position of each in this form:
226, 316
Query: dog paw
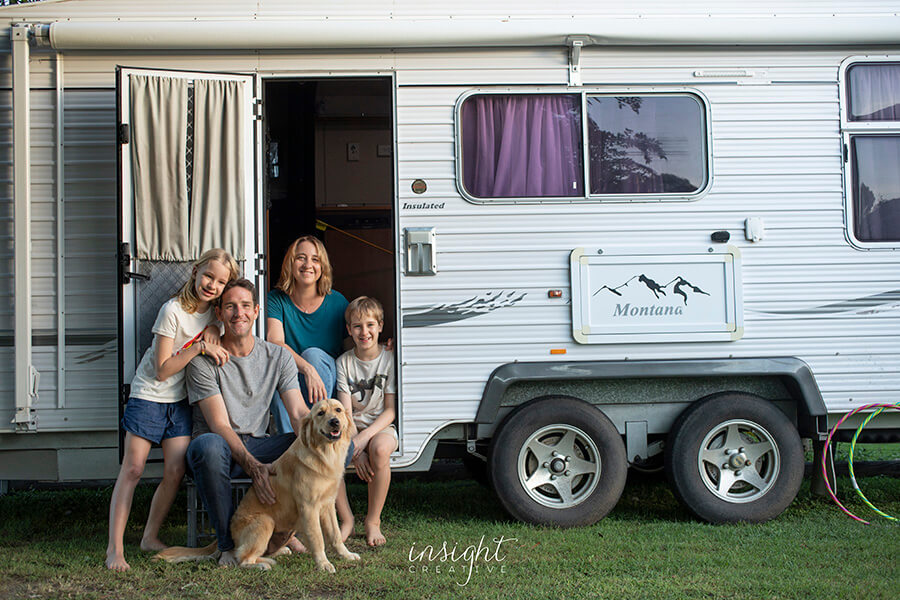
326, 566
283, 551
350, 556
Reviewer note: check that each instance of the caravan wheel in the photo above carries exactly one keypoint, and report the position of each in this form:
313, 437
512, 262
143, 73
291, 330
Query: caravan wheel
558, 461
734, 457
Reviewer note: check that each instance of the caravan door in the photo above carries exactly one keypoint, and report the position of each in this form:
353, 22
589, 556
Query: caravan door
187, 153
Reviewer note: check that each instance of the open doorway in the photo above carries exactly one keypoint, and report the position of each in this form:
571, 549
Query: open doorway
329, 172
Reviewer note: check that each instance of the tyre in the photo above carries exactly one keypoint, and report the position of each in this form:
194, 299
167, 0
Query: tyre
734, 457
557, 461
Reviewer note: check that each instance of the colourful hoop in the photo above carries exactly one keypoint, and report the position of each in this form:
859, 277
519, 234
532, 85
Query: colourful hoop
828, 443
850, 465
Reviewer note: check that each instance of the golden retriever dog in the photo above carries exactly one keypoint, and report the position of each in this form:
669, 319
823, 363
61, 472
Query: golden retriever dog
305, 481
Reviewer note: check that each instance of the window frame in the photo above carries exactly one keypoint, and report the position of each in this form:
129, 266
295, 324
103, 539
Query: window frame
584, 93
851, 129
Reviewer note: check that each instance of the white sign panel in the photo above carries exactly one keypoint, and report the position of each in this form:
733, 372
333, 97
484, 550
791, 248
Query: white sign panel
627, 298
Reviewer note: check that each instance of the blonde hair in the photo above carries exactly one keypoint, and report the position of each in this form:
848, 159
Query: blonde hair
187, 296
364, 305
286, 281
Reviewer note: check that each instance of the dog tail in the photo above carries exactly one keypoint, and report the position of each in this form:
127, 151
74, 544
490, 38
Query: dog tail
177, 554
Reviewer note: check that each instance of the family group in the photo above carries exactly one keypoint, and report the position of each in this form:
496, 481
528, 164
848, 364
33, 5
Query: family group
224, 404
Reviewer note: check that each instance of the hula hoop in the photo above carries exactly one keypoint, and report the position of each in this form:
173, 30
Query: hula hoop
828, 443
850, 466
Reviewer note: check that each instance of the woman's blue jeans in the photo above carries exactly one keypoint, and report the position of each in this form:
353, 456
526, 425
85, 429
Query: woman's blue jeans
325, 367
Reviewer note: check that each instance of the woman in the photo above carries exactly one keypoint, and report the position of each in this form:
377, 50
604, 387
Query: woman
306, 316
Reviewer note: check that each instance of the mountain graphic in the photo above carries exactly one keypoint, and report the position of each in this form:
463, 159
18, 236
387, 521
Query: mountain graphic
680, 286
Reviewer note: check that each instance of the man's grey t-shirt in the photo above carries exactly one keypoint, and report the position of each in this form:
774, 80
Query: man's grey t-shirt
246, 383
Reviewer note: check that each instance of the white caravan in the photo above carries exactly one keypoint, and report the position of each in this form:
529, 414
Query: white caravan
607, 235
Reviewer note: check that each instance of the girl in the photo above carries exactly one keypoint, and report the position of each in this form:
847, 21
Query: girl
158, 411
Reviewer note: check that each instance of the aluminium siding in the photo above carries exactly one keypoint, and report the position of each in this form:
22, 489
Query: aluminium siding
776, 155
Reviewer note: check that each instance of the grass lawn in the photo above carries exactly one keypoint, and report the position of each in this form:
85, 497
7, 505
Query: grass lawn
52, 546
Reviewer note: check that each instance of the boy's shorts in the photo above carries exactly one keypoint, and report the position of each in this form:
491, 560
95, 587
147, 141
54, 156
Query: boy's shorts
157, 421
391, 431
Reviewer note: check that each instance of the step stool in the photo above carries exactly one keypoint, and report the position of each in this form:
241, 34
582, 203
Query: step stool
198, 525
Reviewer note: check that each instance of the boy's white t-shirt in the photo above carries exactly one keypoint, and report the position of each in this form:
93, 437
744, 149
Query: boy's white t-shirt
176, 323
367, 381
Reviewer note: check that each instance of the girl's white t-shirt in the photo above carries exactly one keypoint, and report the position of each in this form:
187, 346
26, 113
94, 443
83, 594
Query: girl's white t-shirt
176, 323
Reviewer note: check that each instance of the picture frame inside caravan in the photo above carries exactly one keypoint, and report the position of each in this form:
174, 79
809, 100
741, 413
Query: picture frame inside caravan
592, 145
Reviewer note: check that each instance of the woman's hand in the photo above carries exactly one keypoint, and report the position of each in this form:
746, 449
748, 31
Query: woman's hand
217, 353
314, 385
363, 468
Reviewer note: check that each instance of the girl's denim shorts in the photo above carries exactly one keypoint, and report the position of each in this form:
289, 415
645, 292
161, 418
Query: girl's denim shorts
156, 421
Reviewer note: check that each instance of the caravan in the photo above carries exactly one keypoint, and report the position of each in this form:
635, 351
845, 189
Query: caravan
612, 236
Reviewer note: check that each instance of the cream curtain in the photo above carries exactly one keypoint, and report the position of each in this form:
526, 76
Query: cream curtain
159, 177
217, 211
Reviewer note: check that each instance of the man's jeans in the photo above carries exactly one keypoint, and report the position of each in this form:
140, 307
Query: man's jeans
209, 463
325, 367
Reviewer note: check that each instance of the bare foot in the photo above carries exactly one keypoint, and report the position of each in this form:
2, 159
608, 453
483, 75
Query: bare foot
116, 562
295, 545
374, 537
347, 529
152, 544
228, 559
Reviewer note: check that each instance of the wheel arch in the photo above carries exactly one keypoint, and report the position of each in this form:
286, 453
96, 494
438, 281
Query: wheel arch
794, 374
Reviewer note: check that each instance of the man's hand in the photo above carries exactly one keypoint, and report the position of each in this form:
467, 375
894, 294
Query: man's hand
259, 473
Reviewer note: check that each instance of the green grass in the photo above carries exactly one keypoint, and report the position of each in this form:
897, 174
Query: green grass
52, 545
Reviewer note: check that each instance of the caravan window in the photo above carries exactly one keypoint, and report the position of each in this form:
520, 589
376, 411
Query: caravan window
538, 146
874, 92
525, 145
872, 137
646, 144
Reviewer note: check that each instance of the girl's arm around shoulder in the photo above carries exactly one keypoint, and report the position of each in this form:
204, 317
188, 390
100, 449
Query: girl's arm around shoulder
168, 364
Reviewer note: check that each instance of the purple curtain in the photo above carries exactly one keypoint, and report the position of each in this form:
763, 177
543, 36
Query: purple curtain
526, 146
874, 92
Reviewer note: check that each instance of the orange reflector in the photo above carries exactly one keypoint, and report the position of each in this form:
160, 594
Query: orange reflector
557, 350
554, 293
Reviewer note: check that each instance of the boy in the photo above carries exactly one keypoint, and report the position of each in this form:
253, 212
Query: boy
367, 386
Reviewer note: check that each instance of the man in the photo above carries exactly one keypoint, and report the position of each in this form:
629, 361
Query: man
230, 430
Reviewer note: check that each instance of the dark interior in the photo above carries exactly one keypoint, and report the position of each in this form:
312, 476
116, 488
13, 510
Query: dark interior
329, 172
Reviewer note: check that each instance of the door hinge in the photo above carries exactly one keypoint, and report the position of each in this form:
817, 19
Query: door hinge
25, 418
260, 264
257, 109
123, 135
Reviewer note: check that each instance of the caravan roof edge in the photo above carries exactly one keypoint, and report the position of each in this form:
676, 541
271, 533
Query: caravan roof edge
442, 32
